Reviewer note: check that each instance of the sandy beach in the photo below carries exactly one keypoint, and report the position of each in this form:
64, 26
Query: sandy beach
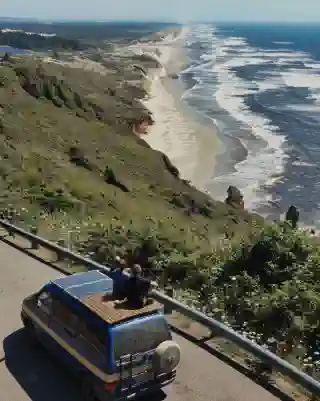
191, 144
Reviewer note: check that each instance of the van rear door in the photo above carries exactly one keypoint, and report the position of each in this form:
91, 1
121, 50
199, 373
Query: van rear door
139, 336
134, 344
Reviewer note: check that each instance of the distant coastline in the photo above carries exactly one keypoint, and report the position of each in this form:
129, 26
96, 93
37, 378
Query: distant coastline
12, 51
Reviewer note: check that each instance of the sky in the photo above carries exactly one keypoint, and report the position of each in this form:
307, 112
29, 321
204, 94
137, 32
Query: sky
173, 10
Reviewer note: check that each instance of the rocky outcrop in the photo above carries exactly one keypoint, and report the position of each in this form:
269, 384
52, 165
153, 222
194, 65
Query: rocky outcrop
292, 216
174, 76
234, 198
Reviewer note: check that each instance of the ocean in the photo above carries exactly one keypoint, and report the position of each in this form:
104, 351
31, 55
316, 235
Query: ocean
12, 51
260, 84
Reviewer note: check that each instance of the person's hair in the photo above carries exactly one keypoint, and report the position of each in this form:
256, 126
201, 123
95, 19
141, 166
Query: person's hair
136, 270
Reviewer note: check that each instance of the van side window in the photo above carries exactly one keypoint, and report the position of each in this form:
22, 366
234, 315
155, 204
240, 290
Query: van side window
94, 335
76, 326
65, 316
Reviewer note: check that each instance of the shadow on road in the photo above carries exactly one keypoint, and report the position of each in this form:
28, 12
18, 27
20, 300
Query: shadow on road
36, 371
40, 376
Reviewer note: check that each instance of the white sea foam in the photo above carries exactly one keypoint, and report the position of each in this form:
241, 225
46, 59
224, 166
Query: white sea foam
216, 81
315, 96
283, 43
314, 66
305, 79
255, 170
266, 167
301, 79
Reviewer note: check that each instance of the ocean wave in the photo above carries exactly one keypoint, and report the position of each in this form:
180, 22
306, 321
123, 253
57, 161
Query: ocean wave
267, 98
282, 43
314, 66
257, 168
301, 79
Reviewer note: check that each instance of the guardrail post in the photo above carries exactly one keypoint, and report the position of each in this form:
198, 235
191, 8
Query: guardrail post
34, 243
170, 292
217, 315
262, 369
60, 256
309, 370
11, 231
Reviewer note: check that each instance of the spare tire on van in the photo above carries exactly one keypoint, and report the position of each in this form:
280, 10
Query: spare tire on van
166, 357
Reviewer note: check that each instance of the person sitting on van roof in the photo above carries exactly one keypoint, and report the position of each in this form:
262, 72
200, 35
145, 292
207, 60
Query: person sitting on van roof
136, 288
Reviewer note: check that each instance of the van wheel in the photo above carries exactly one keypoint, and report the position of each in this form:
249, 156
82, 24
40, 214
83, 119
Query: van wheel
87, 391
28, 325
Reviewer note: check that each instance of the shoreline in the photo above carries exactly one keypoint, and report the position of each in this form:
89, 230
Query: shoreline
192, 144
191, 140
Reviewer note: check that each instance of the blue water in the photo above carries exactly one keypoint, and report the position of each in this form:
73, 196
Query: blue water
12, 51
261, 86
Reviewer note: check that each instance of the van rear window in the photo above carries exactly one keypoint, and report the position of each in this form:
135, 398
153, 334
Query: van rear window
139, 336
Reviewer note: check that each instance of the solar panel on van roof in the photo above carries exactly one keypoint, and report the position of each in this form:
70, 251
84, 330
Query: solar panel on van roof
79, 278
81, 292
85, 284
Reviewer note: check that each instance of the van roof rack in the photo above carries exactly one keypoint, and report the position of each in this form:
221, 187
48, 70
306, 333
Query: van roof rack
95, 290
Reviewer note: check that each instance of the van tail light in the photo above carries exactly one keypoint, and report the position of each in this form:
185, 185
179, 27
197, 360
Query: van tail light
110, 386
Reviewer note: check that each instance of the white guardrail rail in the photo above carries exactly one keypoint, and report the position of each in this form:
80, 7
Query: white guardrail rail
278, 364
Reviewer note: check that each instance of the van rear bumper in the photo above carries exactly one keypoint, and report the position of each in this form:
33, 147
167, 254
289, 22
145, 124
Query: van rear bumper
138, 391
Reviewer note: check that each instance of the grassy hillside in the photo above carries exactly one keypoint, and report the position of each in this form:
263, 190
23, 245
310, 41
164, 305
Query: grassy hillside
47, 109
69, 162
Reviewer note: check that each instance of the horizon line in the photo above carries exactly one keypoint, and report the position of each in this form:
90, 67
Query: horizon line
150, 21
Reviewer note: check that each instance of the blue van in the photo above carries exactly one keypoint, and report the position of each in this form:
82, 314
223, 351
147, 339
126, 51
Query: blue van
119, 352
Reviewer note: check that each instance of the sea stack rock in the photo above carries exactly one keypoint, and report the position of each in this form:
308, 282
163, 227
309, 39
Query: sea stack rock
174, 76
234, 198
292, 216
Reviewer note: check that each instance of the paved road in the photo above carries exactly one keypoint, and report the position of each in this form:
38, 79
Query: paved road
27, 372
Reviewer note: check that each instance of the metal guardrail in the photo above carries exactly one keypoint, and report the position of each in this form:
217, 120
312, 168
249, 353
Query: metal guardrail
306, 381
